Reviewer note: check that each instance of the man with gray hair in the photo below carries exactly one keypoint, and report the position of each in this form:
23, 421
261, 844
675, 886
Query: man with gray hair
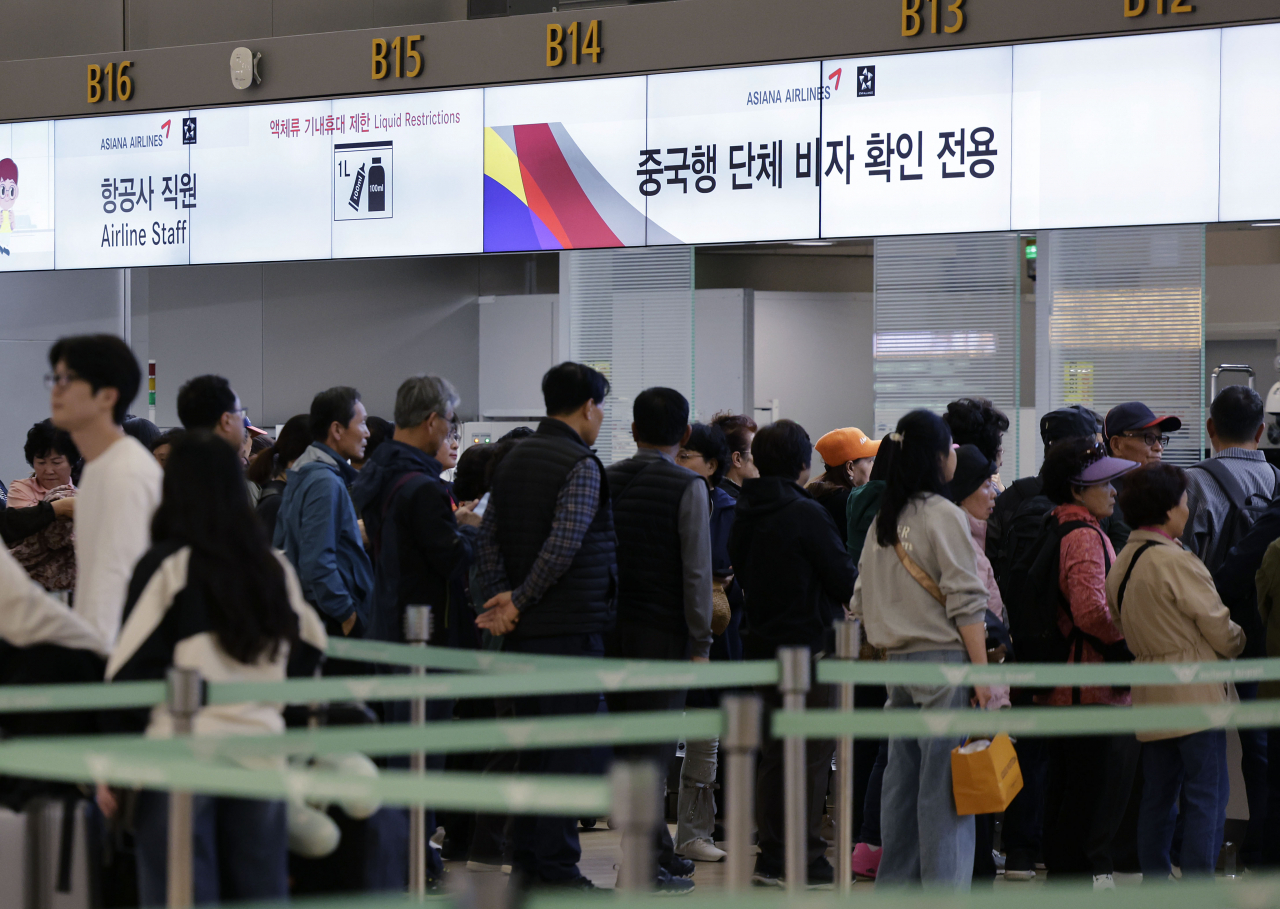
416, 538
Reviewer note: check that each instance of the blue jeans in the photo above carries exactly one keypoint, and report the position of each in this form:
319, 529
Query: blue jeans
925, 841
1196, 764
240, 849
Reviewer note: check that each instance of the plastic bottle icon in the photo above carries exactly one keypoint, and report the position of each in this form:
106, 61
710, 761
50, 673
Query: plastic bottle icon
356, 190
377, 186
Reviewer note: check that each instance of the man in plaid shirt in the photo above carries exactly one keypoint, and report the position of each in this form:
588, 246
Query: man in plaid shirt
546, 557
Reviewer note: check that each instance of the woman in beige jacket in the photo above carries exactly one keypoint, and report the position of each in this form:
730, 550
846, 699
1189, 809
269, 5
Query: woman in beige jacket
1164, 600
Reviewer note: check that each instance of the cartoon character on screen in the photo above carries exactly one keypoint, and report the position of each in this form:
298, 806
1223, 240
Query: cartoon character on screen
8, 194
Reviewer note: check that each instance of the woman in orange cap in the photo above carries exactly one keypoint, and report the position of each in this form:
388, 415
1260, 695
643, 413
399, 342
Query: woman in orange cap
847, 455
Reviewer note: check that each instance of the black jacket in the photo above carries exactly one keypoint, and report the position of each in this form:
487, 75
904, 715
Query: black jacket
1235, 579
269, 505
16, 524
646, 494
524, 493
417, 544
793, 567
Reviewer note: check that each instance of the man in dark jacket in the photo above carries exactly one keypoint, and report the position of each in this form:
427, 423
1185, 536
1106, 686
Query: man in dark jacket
663, 516
546, 557
797, 577
417, 539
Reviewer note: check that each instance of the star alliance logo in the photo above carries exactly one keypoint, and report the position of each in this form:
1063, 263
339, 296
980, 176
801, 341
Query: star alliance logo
866, 81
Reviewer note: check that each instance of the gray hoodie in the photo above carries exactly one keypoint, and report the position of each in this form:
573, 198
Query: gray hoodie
897, 612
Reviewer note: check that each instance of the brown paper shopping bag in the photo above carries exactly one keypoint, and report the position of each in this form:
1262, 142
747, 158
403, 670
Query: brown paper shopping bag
985, 776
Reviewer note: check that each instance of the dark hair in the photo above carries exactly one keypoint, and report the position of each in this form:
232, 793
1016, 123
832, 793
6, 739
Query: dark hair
293, 440
708, 440
379, 431
884, 459
736, 427
568, 386
977, 421
141, 429
914, 469
473, 467
45, 438
1151, 492
206, 507
661, 416
1065, 460
203, 400
1237, 413
782, 449
168, 437
520, 432
333, 405
104, 361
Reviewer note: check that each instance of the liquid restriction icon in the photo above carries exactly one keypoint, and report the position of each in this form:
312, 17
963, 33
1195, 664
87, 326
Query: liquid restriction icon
362, 181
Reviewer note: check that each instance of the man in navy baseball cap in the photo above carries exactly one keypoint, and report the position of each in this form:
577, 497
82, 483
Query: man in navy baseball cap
1133, 432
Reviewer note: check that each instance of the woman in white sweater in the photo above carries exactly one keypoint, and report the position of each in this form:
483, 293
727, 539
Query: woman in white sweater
211, 595
921, 599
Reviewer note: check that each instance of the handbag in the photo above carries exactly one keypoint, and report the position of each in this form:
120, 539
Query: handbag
985, 776
721, 613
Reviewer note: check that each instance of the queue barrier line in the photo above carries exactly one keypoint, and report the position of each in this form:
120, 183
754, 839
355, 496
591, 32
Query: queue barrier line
1044, 675
586, 675
1024, 721
583, 796
449, 737
80, 696
1262, 893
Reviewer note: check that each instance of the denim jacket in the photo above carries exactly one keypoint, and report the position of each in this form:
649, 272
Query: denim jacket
317, 530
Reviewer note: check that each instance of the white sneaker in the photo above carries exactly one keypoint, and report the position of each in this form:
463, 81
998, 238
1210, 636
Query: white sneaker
701, 850
1104, 882
1021, 874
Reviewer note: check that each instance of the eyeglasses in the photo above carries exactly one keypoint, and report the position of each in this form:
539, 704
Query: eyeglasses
59, 380
687, 455
1150, 438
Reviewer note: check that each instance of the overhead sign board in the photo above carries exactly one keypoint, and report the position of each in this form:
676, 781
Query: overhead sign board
1164, 128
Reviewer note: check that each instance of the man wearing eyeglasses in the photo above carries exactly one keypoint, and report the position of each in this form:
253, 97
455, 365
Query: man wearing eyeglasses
1133, 432
94, 379
209, 402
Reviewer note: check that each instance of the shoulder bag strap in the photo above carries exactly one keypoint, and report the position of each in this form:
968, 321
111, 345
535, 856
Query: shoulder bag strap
1124, 583
921, 576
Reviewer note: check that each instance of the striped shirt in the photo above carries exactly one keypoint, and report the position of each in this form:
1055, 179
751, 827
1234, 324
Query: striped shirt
1209, 505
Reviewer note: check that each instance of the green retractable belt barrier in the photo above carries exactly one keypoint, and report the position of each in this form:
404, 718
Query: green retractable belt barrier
1043, 675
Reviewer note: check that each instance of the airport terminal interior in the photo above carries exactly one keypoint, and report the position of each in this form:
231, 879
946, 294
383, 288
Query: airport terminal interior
564, 251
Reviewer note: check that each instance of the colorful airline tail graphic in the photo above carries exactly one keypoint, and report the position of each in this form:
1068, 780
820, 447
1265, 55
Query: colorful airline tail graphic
541, 192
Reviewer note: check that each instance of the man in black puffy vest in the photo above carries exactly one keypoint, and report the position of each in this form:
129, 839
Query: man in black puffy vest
663, 515
546, 557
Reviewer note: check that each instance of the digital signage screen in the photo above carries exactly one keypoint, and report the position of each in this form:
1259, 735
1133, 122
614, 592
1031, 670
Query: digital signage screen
265, 174
26, 196
124, 191
1116, 131
731, 154
917, 143
1250, 181
407, 175
560, 165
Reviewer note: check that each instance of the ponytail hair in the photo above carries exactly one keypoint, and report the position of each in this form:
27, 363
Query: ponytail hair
915, 468
293, 441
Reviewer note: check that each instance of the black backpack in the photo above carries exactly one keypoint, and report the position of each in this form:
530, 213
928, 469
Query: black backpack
1019, 530
1033, 600
1242, 510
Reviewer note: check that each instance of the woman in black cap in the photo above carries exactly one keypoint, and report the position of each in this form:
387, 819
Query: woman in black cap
1090, 777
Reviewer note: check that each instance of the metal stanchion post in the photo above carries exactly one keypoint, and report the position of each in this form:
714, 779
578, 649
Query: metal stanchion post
739, 743
417, 631
635, 812
793, 683
184, 699
846, 649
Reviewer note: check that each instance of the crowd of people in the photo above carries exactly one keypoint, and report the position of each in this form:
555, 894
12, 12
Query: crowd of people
213, 547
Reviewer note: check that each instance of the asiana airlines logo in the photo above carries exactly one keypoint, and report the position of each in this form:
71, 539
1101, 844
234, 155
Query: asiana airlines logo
797, 95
